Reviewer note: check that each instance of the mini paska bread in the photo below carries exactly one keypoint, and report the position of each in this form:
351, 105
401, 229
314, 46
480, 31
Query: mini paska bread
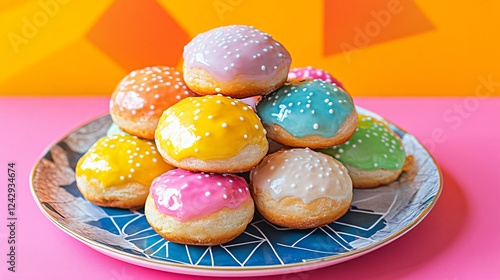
184, 137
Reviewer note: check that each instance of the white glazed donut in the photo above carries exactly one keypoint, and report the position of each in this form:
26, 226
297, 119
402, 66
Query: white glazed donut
301, 188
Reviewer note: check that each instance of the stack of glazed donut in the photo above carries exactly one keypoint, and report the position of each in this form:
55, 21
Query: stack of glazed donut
180, 141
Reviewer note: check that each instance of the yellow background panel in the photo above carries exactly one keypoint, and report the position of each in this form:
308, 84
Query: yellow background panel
43, 36
70, 71
448, 60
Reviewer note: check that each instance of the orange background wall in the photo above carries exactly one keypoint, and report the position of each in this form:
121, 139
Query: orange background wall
375, 47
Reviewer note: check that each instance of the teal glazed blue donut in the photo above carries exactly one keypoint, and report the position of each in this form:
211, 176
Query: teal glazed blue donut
307, 107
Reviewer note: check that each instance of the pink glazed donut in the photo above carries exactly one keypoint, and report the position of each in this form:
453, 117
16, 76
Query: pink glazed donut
199, 208
310, 72
236, 60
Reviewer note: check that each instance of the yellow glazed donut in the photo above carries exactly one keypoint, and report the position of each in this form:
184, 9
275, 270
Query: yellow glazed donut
117, 171
211, 133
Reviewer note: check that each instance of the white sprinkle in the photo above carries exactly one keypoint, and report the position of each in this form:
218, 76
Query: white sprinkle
315, 126
224, 125
263, 67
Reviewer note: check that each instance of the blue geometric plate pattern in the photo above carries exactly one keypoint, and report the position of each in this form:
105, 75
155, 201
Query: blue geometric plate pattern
377, 216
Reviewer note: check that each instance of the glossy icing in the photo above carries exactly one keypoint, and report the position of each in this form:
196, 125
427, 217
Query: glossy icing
147, 92
373, 146
302, 173
186, 195
236, 52
120, 159
310, 72
307, 107
209, 128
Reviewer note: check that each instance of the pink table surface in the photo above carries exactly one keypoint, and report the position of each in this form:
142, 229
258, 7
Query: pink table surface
459, 239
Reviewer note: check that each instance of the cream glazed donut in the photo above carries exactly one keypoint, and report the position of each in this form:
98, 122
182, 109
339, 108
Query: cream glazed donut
310, 72
199, 208
118, 170
308, 113
301, 188
237, 61
141, 97
212, 134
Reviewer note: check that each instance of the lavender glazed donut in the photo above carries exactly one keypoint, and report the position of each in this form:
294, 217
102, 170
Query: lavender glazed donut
237, 61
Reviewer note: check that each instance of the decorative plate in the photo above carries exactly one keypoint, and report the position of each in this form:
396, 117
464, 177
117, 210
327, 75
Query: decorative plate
377, 217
